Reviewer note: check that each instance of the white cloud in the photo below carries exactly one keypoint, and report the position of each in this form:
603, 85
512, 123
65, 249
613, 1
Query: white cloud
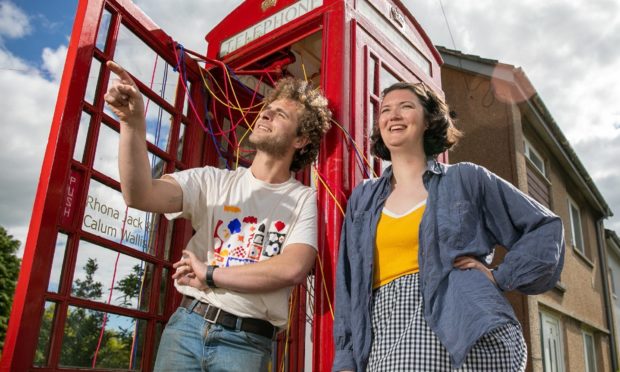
54, 61
568, 49
10, 62
14, 22
188, 24
27, 107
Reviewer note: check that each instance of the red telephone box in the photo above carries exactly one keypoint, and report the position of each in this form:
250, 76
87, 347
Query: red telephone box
95, 291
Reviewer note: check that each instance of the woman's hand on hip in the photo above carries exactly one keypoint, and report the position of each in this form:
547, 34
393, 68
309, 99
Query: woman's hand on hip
468, 262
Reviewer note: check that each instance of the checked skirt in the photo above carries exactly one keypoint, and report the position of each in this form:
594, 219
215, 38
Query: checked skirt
402, 341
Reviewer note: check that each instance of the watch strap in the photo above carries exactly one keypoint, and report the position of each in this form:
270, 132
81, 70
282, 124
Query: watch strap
209, 276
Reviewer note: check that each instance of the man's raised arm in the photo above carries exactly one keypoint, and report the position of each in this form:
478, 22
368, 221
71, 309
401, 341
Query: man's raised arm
139, 189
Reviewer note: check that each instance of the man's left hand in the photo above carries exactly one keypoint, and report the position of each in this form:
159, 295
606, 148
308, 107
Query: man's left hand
190, 271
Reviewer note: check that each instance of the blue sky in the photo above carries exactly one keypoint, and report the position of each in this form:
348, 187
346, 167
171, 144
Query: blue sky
568, 49
51, 23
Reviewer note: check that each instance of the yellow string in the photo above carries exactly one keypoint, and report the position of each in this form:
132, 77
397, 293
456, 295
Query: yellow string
303, 68
243, 115
238, 108
366, 161
318, 176
288, 328
204, 81
223, 92
329, 302
329, 191
250, 129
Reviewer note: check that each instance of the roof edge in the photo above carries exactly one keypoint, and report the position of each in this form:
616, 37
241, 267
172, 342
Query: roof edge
520, 80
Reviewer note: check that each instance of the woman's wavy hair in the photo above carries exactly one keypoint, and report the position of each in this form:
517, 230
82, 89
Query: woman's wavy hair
440, 133
314, 122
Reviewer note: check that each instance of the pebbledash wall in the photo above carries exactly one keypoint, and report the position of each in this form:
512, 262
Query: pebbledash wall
509, 131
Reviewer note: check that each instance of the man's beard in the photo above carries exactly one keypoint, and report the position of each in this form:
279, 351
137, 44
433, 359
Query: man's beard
275, 146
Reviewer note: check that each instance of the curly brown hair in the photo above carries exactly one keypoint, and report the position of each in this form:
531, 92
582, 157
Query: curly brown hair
440, 133
314, 121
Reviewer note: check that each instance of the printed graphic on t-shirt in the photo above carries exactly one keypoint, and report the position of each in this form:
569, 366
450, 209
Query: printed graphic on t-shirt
244, 239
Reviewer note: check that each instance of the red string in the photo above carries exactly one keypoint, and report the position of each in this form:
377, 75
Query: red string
270, 78
105, 315
148, 101
191, 103
219, 130
193, 107
316, 169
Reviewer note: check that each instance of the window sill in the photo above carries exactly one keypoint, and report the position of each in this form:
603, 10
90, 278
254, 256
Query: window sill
583, 257
535, 169
560, 287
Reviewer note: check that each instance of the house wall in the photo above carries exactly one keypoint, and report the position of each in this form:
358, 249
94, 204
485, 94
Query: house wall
580, 303
494, 131
484, 121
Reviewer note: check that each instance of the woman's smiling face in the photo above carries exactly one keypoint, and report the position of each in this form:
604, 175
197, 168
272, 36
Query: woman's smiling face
401, 121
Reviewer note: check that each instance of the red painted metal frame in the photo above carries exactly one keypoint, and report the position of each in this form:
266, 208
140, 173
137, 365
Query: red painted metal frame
38, 254
343, 81
46, 222
329, 19
347, 35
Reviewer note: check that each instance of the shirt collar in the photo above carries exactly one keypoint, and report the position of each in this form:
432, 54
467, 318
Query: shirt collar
432, 166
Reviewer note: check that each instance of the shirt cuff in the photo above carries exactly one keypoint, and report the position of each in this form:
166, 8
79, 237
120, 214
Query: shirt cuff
501, 279
343, 361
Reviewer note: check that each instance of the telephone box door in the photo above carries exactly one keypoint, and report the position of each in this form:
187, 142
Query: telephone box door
95, 290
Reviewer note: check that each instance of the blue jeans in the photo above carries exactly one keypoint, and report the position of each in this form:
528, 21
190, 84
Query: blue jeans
189, 343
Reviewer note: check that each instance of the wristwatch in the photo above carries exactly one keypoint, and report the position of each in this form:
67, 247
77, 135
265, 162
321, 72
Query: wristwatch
209, 276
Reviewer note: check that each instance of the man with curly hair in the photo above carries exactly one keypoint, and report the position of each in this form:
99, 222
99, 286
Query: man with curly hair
255, 228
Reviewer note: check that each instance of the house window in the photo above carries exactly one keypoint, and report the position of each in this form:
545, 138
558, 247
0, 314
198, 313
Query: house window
589, 353
575, 225
612, 281
553, 355
535, 158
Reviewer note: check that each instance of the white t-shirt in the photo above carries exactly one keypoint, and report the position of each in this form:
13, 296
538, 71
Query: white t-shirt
240, 220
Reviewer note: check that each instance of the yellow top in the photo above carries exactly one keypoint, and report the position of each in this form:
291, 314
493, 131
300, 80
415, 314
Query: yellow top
396, 245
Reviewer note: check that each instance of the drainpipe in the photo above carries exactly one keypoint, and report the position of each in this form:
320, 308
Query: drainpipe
602, 254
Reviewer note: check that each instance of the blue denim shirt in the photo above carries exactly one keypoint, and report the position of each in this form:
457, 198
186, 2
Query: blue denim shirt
468, 211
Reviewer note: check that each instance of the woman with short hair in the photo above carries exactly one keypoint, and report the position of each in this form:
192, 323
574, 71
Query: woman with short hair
413, 292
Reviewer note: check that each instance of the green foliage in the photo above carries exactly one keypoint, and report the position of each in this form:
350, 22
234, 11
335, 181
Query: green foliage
45, 333
83, 326
9, 270
88, 288
130, 285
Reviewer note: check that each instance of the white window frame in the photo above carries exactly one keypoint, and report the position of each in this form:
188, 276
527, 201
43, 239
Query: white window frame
576, 240
552, 344
589, 353
531, 154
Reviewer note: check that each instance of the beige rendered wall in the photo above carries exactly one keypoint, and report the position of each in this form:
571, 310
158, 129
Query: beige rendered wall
581, 306
494, 134
484, 121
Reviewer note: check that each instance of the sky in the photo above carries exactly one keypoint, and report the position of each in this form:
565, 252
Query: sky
567, 48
